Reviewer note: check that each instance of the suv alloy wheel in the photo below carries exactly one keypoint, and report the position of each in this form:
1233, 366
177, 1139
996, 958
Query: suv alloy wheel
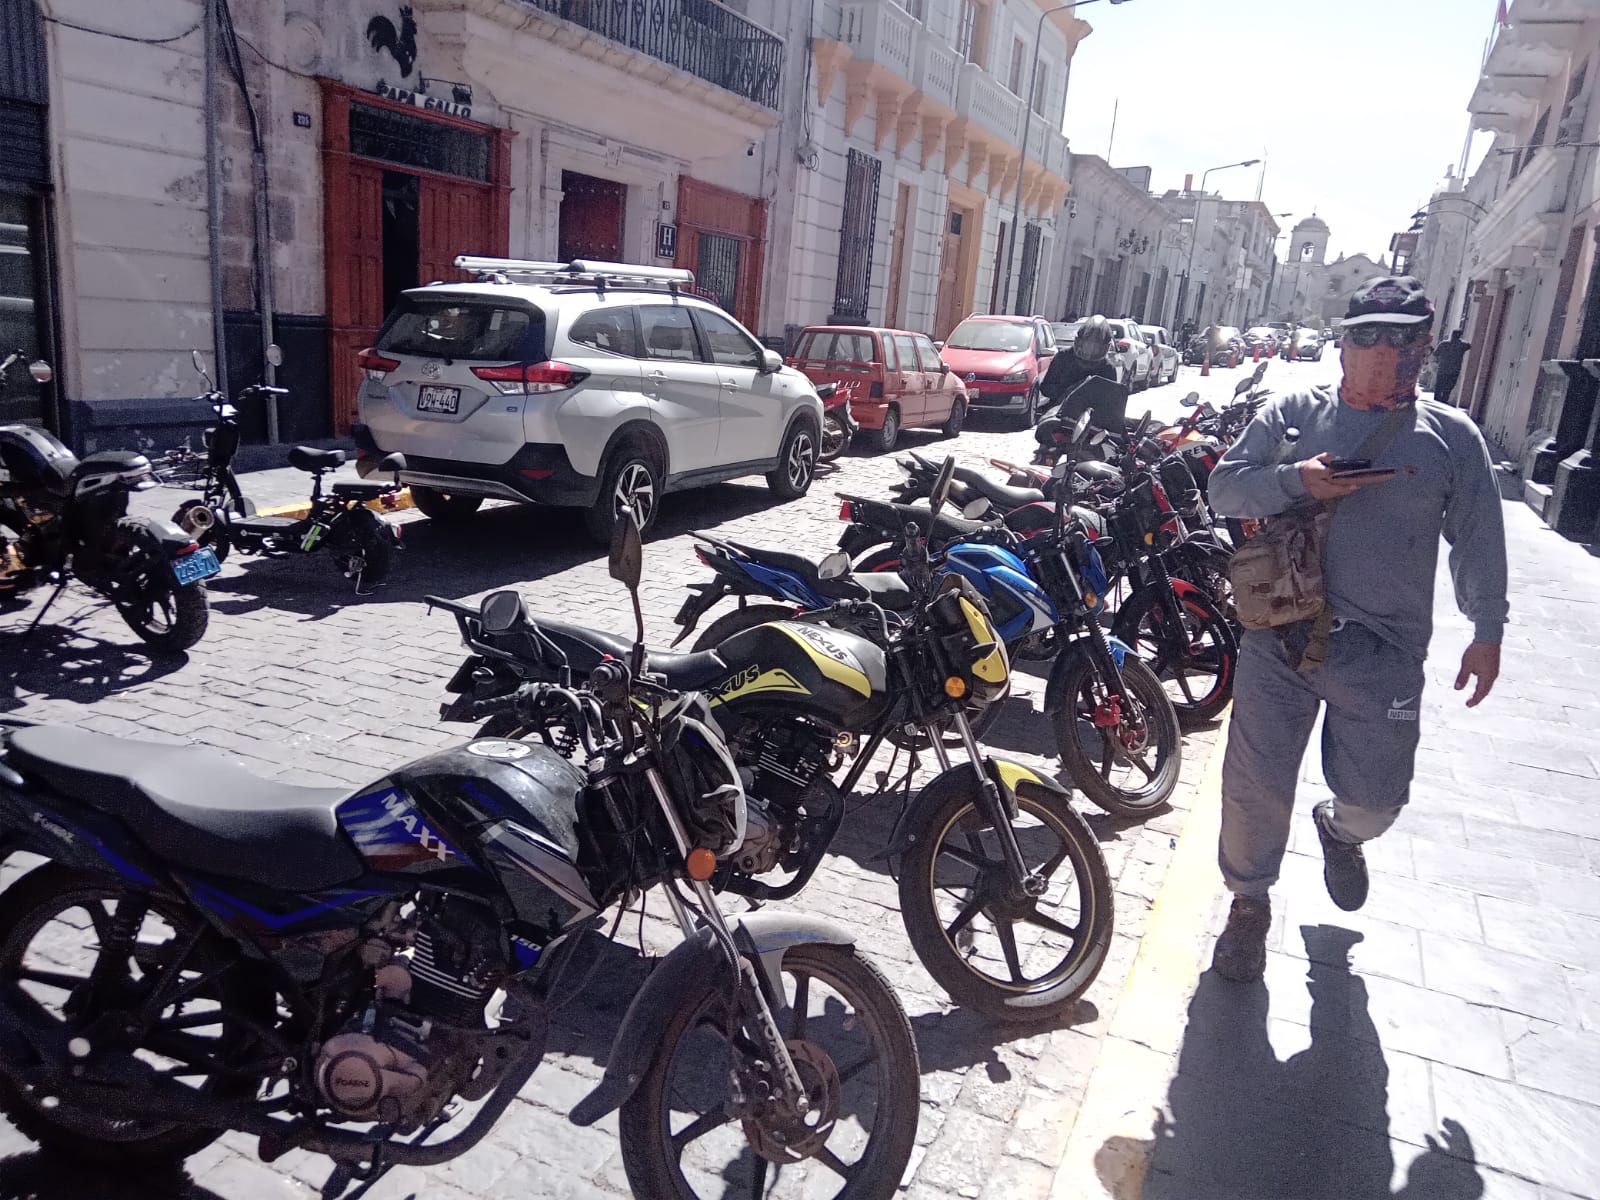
632, 480
797, 463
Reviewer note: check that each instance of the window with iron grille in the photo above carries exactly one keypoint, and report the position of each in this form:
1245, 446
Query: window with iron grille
856, 237
1030, 269
717, 268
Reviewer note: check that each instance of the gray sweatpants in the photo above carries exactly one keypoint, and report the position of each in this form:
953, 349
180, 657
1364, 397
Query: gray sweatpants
1373, 691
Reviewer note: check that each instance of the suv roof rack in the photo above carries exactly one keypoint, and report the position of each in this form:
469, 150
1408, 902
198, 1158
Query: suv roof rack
579, 271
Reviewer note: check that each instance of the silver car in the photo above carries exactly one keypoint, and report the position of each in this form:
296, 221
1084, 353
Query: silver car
1166, 354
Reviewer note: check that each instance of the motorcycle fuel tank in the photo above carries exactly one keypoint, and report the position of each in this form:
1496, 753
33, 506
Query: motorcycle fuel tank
837, 678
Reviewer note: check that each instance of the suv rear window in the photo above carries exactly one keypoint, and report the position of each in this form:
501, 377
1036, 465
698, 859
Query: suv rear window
472, 330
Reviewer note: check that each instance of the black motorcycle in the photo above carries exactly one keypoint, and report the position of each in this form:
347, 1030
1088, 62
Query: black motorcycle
370, 975
362, 543
1004, 892
62, 518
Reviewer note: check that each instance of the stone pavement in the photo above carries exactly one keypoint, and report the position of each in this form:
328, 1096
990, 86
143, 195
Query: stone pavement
300, 680
1444, 1042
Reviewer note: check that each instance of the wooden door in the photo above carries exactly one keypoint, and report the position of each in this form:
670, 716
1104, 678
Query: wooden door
949, 308
355, 279
592, 213
452, 218
894, 310
1480, 402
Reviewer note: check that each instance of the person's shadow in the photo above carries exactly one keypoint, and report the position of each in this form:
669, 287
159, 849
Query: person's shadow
1313, 1127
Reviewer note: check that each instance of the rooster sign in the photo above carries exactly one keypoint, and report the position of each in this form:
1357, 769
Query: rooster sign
401, 43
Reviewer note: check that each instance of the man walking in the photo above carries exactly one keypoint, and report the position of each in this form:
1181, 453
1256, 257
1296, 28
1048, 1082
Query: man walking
1448, 359
1379, 559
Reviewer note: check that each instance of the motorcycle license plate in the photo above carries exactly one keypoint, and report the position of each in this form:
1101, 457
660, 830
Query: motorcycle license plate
195, 566
434, 399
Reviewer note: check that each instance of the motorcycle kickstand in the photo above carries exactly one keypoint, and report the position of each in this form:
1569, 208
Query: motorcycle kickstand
344, 1174
34, 624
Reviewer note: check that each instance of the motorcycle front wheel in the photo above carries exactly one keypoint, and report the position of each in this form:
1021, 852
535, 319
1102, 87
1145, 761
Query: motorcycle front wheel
1194, 661
835, 437
1126, 762
1008, 959
684, 1136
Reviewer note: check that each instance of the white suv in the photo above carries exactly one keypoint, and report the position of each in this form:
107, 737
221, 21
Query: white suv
592, 385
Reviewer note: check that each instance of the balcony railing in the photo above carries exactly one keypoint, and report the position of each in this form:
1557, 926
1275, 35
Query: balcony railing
697, 36
936, 69
982, 99
879, 32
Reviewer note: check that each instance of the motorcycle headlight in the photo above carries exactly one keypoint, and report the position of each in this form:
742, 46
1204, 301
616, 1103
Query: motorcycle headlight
972, 646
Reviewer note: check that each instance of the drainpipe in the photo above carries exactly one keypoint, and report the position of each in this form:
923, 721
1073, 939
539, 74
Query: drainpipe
269, 369
213, 64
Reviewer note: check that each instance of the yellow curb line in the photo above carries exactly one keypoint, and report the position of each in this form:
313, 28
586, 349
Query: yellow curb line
402, 499
1112, 1139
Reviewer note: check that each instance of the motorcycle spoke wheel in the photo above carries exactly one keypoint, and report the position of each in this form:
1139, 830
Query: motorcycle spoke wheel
58, 967
1125, 758
684, 1136
1195, 661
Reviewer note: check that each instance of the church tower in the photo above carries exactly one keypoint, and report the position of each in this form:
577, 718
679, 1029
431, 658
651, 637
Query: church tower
1309, 241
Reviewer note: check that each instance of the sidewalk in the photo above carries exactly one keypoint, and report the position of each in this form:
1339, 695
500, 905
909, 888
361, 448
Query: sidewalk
1443, 1043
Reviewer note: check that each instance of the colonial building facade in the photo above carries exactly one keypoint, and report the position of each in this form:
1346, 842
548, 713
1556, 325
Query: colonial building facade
1110, 245
199, 174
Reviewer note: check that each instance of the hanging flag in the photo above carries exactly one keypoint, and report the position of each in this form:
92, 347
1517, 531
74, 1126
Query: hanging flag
1501, 17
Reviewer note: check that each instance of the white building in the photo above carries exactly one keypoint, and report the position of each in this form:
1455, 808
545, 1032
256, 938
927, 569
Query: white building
1222, 257
1302, 279
1108, 247
905, 159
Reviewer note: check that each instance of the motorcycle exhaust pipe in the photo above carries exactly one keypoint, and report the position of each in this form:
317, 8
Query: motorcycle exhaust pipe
198, 519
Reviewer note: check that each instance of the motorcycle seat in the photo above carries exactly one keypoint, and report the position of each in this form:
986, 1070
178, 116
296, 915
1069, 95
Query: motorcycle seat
1002, 495
585, 647
195, 809
885, 587
263, 524
111, 462
306, 458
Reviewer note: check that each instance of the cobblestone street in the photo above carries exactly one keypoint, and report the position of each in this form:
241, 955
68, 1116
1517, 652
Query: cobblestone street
299, 680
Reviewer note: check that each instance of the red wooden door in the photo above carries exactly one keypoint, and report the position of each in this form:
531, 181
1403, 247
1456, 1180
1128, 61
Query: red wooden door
591, 218
452, 218
355, 283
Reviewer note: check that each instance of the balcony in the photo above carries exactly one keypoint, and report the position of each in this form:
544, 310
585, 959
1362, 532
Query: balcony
700, 37
881, 33
981, 99
936, 69
1526, 219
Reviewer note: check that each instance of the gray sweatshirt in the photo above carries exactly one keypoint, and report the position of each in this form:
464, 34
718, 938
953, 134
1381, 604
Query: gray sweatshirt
1383, 547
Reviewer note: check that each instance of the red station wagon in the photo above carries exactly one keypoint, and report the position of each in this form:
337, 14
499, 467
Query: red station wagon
894, 379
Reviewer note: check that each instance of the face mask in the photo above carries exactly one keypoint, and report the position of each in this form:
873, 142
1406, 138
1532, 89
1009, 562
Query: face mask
1381, 376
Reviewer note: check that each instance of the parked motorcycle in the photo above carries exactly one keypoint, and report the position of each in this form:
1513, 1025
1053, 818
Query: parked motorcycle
63, 519
362, 543
1003, 890
839, 425
352, 974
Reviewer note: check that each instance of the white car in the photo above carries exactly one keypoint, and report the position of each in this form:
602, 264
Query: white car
1133, 355
1166, 354
591, 385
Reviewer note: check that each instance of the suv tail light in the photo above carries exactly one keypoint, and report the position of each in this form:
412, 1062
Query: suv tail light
532, 379
376, 365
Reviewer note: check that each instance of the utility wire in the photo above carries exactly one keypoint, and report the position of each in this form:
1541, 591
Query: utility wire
121, 37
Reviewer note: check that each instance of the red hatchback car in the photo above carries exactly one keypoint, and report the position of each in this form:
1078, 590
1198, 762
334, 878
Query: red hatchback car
894, 379
1002, 361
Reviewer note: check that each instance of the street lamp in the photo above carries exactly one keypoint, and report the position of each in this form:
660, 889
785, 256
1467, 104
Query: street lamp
1194, 236
1027, 122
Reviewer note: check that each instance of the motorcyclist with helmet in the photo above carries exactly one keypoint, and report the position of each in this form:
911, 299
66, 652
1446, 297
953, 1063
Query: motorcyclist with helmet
1087, 361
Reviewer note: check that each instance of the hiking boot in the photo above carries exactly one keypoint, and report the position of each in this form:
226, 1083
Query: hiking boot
1241, 950
1344, 867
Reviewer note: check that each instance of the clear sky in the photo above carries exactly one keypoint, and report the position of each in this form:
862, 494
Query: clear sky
1357, 106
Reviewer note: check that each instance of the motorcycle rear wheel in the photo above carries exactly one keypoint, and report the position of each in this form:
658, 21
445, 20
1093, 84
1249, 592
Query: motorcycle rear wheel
853, 1046
835, 437
37, 906
1195, 662
171, 622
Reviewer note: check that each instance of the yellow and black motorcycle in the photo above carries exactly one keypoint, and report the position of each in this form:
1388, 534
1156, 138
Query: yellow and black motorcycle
1002, 886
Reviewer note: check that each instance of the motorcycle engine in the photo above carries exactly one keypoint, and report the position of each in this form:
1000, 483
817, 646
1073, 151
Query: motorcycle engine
403, 1059
779, 765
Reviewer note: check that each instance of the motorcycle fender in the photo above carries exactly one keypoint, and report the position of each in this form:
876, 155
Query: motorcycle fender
681, 974
1055, 689
171, 539
918, 815
701, 599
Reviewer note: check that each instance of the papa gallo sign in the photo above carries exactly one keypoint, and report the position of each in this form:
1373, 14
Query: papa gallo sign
450, 108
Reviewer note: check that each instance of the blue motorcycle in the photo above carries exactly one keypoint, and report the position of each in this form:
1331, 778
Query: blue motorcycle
1115, 725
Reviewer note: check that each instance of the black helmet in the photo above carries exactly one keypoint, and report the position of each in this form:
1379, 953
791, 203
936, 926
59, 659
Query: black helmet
1093, 342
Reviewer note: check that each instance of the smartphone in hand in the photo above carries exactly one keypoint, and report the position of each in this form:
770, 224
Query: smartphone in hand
1358, 470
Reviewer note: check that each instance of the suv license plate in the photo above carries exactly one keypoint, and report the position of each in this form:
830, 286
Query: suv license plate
438, 399
195, 566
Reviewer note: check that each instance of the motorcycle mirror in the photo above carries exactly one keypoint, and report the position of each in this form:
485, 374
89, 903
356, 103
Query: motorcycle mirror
835, 566
825, 390
501, 612
1244, 385
395, 462
1261, 371
976, 510
275, 354
1192, 400
1098, 436
40, 370
941, 485
626, 563
199, 362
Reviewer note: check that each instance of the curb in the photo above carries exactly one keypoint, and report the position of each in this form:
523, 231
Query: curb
1113, 1135
402, 500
